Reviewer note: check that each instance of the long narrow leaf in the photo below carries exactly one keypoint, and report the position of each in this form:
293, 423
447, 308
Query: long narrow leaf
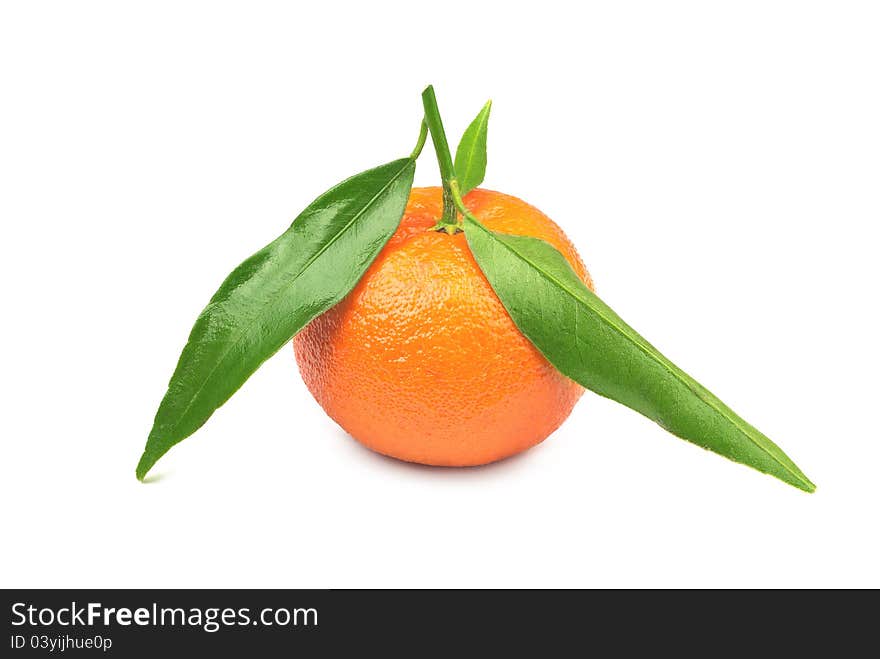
275, 293
585, 340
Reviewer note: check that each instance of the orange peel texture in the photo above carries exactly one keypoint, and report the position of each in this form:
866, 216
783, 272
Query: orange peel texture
421, 361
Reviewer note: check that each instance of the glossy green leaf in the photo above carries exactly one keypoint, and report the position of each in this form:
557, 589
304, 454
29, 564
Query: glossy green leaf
275, 293
470, 157
585, 340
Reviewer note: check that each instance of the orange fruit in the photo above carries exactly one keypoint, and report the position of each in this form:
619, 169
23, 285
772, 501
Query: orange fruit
421, 361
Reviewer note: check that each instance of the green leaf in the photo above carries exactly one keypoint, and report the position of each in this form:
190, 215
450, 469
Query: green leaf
470, 157
275, 293
585, 340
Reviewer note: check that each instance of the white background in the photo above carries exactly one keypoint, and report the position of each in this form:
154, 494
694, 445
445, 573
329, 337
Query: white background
717, 165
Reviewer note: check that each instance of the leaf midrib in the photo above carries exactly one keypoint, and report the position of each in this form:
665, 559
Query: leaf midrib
650, 353
246, 328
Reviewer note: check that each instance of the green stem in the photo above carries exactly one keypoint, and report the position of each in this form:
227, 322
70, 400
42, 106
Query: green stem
423, 135
449, 221
457, 200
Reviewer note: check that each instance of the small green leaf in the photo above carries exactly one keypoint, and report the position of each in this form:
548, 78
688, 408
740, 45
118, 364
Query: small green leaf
275, 293
470, 157
583, 338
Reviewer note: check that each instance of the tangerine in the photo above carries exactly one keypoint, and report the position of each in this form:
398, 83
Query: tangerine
421, 361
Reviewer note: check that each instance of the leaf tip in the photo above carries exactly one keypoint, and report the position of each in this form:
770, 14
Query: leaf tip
798, 479
143, 466
807, 485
